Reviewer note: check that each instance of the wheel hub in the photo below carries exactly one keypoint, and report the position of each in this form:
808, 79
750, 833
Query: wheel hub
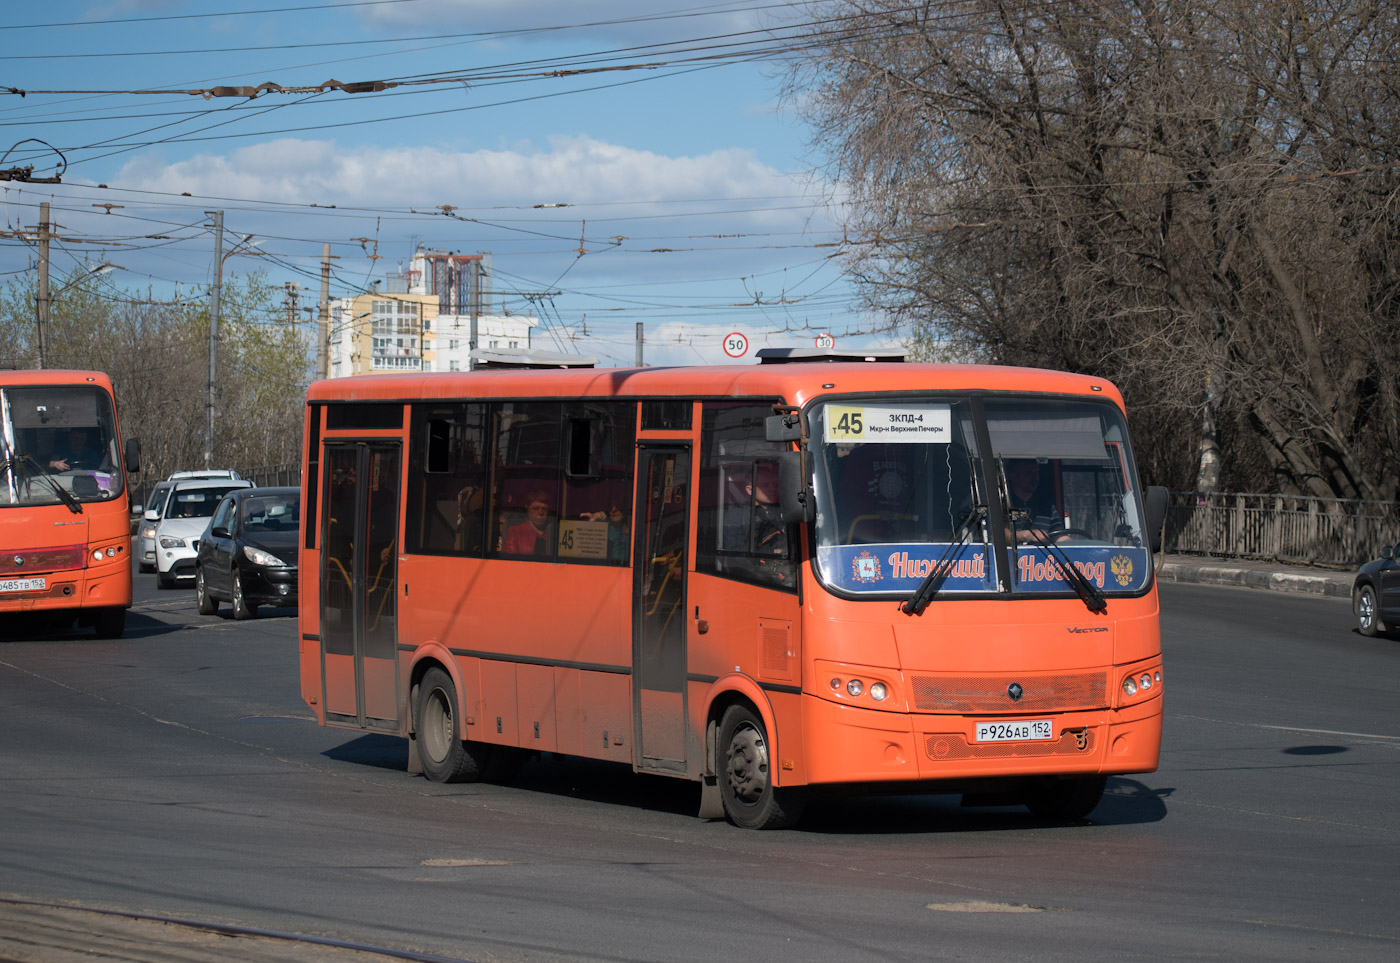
748, 764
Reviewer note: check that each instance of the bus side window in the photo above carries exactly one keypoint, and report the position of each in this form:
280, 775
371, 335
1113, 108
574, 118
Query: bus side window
739, 533
595, 515
446, 503
528, 452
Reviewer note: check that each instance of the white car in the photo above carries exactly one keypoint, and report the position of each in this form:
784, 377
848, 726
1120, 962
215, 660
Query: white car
188, 509
155, 508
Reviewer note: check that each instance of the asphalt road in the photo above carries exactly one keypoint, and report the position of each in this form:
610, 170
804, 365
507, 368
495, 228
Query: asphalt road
176, 773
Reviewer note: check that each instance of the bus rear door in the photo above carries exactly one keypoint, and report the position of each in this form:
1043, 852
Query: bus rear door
359, 614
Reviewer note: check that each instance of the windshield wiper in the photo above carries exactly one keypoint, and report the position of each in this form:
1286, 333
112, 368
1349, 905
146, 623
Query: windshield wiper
63, 494
1084, 588
928, 588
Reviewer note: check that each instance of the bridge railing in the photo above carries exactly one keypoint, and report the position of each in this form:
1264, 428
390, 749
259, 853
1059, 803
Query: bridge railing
1287, 528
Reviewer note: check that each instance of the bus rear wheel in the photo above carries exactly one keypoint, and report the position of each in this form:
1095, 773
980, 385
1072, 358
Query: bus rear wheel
746, 777
1066, 798
444, 755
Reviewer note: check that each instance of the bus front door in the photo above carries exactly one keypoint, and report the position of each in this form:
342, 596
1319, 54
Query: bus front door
659, 623
359, 615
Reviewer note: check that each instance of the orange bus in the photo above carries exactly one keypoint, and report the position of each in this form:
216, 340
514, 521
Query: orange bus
770, 579
65, 520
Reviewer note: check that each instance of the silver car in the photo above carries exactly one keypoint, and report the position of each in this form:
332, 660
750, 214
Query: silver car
146, 532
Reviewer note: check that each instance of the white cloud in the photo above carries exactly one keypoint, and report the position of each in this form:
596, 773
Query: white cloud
573, 170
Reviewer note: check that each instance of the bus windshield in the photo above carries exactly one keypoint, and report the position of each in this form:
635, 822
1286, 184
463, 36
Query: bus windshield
905, 490
60, 446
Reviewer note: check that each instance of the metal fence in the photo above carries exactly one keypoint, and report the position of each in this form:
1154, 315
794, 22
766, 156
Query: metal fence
1287, 528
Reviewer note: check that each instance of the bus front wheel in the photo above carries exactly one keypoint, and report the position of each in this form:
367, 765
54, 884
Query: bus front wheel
1066, 798
445, 757
746, 777
111, 622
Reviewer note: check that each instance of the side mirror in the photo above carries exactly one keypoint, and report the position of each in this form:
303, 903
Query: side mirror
794, 501
1388, 551
151, 515
219, 531
1156, 515
136, 509
782, 427
133, 456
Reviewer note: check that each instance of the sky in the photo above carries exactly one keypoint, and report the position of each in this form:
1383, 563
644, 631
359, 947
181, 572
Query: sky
625, 162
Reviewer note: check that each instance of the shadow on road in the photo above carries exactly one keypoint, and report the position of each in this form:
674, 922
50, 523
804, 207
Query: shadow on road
1125, 802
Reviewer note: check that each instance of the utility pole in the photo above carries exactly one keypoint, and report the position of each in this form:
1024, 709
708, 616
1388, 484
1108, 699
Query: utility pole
41, 303
641, 340
214, 335
474, 284
323, 336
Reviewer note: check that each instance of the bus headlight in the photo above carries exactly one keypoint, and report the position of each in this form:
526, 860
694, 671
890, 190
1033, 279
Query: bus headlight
1139, 685
877, 692
855, 687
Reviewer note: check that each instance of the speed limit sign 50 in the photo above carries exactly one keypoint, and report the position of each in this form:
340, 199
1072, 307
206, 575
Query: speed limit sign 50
736, 345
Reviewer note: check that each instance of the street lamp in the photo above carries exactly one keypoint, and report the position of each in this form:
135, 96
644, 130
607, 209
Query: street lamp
45, 298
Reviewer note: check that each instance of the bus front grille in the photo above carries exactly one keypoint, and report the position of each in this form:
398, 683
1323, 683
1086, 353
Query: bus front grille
1063, 692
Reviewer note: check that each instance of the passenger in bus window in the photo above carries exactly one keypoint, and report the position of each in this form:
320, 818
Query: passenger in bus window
76, 450
532, 536
617, 530
769, 532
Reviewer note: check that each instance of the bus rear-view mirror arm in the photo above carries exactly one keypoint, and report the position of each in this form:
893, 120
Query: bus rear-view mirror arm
1156, 515
794, 500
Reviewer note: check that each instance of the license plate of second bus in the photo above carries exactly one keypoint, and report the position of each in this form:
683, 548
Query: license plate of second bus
1024, 730
22, 584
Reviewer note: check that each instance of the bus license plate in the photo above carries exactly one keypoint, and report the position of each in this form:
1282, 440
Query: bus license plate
1027, 730
22, 584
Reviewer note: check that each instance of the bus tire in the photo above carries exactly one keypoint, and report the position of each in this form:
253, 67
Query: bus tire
110, 622
445, 757
1066, 798
746, 778
207, 604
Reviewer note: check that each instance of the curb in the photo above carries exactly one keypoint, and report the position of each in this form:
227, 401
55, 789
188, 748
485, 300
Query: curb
1329, 586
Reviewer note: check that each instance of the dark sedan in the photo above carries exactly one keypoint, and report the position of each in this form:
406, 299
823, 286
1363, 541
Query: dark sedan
248, 554
1375, 595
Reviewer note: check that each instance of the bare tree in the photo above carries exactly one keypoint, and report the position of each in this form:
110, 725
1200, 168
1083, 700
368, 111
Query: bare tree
156, 353
1177, 195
